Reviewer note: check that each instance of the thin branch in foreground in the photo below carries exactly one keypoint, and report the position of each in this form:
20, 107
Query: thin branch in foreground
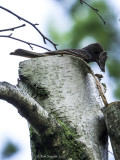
111, 153
33, 25
13, 28
20, 40
94, 9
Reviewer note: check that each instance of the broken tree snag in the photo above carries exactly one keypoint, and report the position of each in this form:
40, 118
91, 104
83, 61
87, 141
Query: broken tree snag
66, 89
112, 118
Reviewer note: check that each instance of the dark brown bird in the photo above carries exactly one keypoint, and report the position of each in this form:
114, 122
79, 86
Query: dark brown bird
92, 53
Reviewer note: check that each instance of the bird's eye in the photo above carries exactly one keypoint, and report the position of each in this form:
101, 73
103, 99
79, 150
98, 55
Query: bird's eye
96, 52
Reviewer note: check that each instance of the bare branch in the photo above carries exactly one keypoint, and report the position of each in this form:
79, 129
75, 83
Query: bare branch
33, 25
20, 40
13, 28
94, 9
28, 107
111, 153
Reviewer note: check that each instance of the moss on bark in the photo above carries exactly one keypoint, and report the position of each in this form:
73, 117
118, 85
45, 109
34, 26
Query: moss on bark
60, 145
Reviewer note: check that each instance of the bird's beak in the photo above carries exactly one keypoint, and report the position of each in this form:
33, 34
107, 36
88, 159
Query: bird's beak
102, 60
102, 67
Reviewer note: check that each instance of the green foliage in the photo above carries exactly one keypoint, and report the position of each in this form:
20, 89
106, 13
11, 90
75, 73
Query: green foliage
85, 23
117, 91
114, 68
114, 72
9, 149
86, 27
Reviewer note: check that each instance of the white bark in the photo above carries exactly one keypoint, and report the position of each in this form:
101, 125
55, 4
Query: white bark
69, 90
28, 107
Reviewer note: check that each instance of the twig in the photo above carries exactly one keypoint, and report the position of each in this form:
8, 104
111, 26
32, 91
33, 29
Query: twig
111, 153
100, 91
94, 9
13, 28
33, 25
28, 43
98, 85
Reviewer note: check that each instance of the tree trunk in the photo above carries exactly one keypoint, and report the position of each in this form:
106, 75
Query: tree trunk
112, 118
66, 89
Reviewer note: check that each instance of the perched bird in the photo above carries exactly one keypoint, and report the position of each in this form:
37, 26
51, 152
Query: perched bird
92, 53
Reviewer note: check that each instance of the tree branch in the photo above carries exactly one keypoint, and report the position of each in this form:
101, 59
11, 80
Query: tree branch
33, 25
20, 40
13, 28
28, 107
94, 9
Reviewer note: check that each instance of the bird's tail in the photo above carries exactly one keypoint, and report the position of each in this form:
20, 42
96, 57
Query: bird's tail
30, 54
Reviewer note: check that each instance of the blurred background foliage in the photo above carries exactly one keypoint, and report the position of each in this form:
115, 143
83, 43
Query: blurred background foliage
9, 149
81, 26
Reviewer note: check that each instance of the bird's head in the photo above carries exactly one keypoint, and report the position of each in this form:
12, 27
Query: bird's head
98, 54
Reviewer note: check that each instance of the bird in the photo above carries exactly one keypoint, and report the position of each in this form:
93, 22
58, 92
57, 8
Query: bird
91, 53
